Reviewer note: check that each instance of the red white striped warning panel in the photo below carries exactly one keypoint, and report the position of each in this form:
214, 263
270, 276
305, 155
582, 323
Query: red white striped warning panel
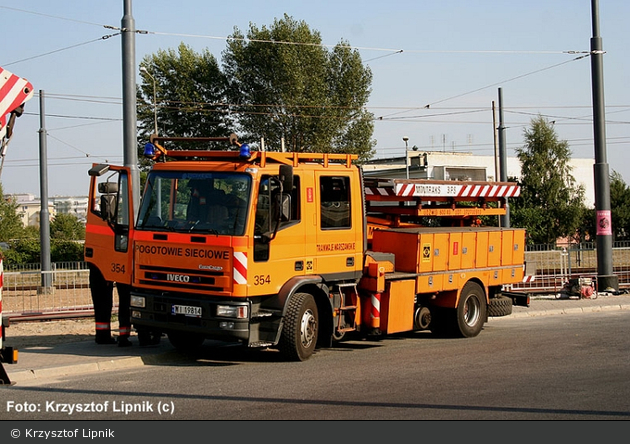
239, 272
14, 91
455, 189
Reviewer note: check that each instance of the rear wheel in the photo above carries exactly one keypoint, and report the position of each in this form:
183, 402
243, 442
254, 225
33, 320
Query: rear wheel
471, 311
300, 328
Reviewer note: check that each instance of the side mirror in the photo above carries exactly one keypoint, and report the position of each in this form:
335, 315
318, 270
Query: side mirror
108, 187
108, 207
285, 207
286, 178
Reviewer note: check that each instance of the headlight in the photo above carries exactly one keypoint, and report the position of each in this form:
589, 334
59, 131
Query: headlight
232, 311
137, 301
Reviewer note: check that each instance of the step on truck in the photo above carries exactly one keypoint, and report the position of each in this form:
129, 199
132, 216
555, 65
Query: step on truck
295, 251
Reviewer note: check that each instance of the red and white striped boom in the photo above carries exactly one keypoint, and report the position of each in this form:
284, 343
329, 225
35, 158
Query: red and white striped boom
14, 92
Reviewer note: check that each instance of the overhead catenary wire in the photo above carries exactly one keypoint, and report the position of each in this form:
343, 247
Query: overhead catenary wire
391, 51
290, 43
105, 37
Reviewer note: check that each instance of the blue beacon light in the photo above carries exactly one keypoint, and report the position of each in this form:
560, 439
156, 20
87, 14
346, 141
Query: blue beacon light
245, 152
149, 150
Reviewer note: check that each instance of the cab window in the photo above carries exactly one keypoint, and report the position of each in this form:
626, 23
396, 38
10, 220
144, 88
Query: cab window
335, 202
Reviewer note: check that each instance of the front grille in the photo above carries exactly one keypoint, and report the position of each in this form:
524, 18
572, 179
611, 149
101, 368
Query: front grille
183, 279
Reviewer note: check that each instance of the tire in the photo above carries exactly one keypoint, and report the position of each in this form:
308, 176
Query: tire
300, 328
500, 306
422, 318
185, 341
471, 311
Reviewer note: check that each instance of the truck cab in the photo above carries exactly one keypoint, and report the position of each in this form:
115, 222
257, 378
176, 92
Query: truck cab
222, 244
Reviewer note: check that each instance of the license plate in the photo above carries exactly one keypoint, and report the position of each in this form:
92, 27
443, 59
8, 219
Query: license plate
186, 310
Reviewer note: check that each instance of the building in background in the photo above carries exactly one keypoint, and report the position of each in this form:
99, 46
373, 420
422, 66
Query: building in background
29, 208
74, 205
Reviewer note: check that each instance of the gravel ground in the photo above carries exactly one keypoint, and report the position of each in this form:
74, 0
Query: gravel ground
44, 333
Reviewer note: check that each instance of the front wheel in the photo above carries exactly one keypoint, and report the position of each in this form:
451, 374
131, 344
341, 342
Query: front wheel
471, 311
300, 329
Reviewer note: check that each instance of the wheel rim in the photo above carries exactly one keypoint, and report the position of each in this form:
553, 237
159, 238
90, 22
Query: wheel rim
472, 311
308, 328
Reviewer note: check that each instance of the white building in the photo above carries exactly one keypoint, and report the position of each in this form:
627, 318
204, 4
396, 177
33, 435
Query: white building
75, 205
29, 207
467, 166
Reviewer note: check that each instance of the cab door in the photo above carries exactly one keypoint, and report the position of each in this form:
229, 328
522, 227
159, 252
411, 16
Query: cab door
339, 246
109, 227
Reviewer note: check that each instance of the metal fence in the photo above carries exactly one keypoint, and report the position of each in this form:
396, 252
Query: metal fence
65, 289
552, 268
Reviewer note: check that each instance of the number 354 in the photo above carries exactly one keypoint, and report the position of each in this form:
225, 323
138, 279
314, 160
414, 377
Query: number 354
117, 268
262, 279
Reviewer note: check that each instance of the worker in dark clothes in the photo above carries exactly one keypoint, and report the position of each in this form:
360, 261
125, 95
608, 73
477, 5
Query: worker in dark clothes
124, 314
102, 297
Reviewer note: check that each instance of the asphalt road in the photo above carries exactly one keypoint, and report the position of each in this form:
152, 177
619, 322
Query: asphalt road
569, 367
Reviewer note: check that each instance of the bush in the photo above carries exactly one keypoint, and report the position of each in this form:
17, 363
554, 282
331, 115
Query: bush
66, 251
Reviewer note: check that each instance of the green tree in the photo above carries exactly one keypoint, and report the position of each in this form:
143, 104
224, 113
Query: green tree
190, 92
66, 227
11, 226
620, 207
66, 232
587, 229
23, 251
551, 202
295, 90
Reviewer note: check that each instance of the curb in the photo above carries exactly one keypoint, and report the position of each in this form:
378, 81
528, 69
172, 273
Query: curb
75, 369
565, 311
89, 367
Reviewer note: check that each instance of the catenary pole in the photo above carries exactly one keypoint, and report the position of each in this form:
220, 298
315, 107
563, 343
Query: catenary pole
606, 281
505, 219
130, 152
44, 216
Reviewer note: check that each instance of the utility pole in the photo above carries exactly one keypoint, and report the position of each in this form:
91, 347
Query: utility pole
130, 150
406, 139
496, 142
505, 219
44, 216
606, 281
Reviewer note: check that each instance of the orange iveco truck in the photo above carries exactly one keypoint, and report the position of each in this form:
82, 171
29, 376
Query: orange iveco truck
297, 250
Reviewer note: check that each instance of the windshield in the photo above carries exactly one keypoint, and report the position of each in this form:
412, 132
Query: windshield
213, 203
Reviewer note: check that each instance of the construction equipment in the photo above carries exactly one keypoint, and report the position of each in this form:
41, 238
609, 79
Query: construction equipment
8, 355
295, 250
14, 92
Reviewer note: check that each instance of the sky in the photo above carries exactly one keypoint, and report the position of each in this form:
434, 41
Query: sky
437, 70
